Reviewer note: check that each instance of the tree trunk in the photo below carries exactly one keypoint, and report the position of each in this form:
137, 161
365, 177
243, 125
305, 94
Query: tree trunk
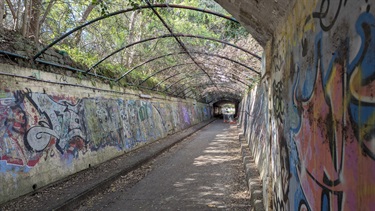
17, 16
36, 7
46, 12
25, 24
83, 20
11, 8
2, 10
133, 19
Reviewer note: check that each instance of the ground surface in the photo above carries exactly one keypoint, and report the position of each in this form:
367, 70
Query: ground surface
203, 172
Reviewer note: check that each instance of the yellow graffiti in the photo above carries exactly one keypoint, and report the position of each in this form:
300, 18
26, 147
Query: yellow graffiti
296, 25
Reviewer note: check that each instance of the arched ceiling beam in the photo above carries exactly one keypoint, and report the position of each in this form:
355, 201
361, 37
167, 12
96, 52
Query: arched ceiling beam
189, 87
203, 53
225, 87
164, 69
176, 83
169, 36
226, 76
180, 43
194, 52
211, 85
165, 90
226, 58
201, 86
57, 40
220, 41
224, 98
172, 76
233, 95
232, 74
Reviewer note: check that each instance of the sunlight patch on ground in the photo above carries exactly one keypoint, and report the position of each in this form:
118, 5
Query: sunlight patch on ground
212, 160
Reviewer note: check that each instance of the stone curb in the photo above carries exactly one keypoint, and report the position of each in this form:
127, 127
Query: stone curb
253, 179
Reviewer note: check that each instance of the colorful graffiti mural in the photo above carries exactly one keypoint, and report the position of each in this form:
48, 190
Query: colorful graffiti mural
36, 125
322, 125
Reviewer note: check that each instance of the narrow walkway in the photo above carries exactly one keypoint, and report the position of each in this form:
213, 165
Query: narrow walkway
203, 172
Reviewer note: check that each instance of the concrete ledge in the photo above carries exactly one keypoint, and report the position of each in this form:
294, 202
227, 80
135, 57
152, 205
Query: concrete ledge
67, 195
253, 179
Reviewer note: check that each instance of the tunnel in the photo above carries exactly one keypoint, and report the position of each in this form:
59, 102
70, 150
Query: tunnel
298, 87
225, 104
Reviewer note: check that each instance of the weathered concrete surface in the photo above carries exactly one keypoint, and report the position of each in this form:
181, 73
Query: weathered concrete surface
52, 126
260, 17
67, 194
204, 173
310, 122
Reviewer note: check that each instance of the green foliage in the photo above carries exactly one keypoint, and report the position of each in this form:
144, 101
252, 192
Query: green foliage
112, 84
234, 30
108, 35
80, 75
93, 82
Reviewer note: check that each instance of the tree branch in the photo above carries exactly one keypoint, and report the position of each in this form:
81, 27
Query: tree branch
48, 9
84, 18
10, 5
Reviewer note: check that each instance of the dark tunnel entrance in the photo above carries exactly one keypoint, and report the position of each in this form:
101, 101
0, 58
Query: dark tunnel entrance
224, 107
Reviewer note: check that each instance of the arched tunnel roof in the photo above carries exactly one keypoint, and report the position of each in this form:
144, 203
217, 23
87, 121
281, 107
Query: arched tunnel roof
260, 17
200, 73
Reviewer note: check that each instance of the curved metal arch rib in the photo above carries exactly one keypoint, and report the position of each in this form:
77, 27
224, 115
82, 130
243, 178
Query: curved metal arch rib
223, 98
162, 70
153, 59
226, 76
183, 64
181, 91
130, 10
170, 36
211, 85
195, 52
179, 82
226, 58
164, 80
215, 91
237, 79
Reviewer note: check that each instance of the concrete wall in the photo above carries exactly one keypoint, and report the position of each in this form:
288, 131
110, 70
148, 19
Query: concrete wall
49, 130
310, 122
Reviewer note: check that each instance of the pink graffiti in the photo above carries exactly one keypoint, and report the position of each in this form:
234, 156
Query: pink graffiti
331, 158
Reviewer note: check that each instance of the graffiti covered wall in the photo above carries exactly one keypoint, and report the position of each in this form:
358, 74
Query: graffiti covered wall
47, 135
315, 109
